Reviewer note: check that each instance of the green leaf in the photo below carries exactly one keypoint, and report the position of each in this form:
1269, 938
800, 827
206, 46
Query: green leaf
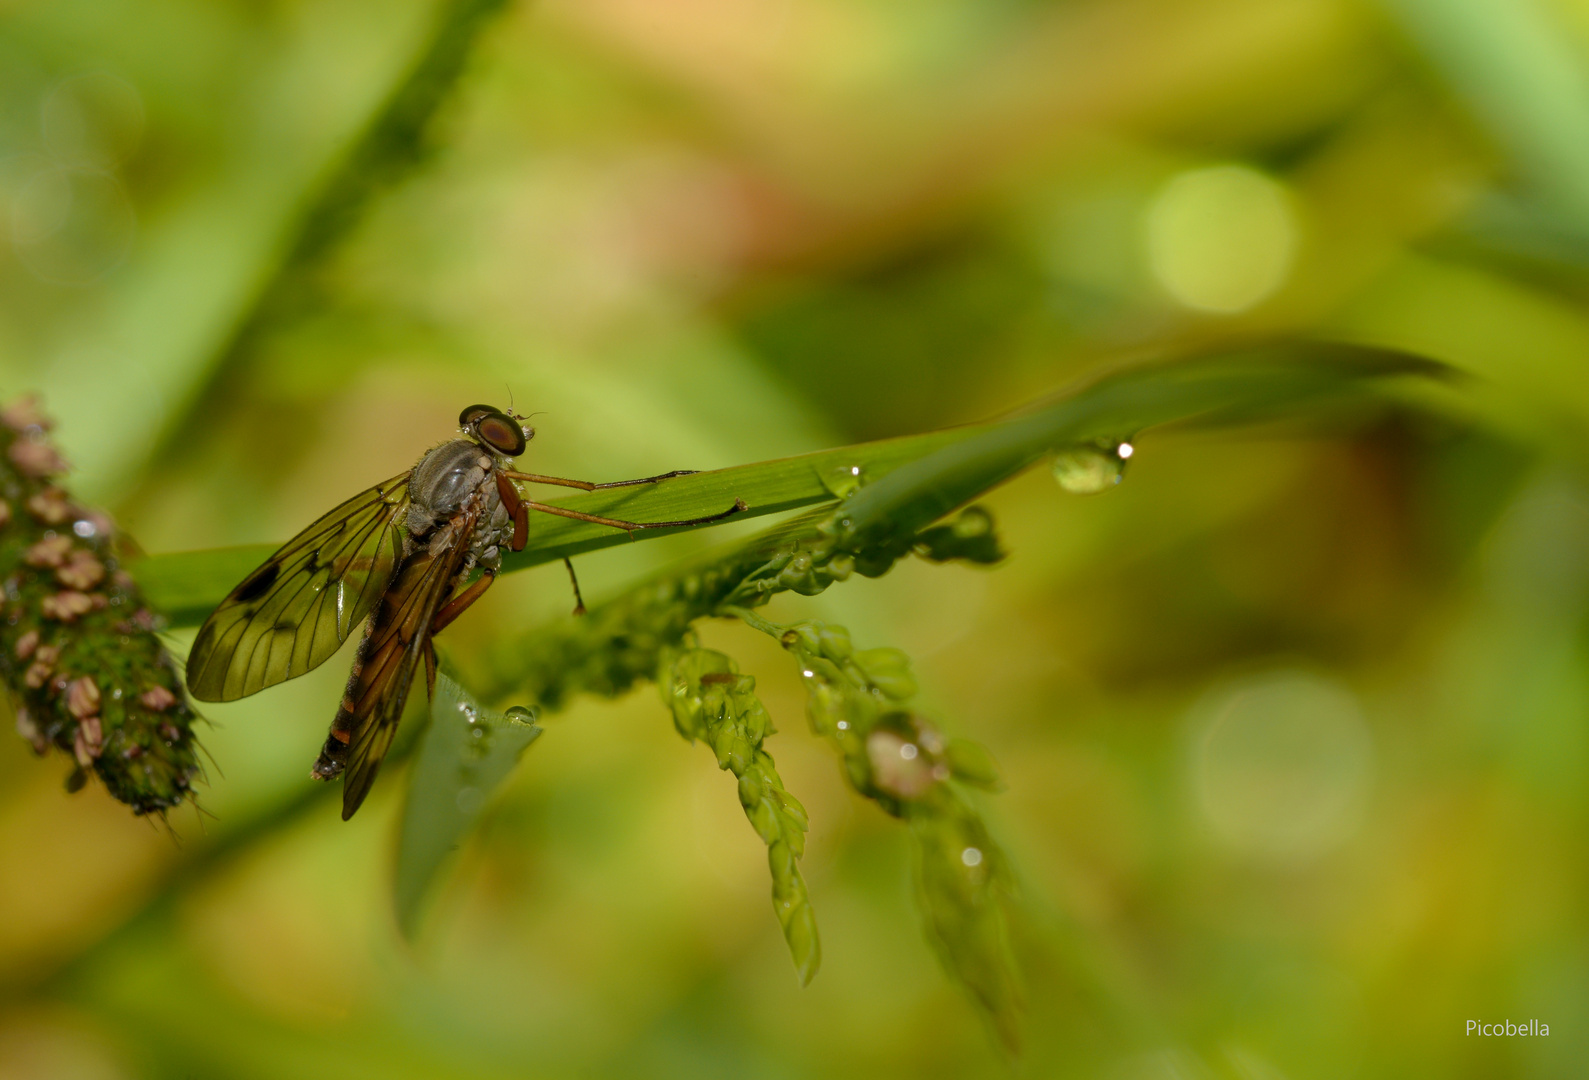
467, 752
908, 482
185, 586
1240, 387
964, 888
241, 257
1524, 81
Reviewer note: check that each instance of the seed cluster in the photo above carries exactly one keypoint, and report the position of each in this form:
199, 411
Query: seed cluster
858, 699
713, 702
86, 672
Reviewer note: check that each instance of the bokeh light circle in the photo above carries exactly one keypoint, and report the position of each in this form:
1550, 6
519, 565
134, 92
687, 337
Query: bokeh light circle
1281, 763
1221, 239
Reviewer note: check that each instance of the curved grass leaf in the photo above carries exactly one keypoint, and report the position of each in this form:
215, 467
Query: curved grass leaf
466, 753
906, 482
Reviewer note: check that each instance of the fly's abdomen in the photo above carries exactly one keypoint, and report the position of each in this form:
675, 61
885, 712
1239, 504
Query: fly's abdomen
378, 664
388, 656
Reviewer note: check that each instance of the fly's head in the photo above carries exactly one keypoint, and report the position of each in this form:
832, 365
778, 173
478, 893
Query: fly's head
497, 431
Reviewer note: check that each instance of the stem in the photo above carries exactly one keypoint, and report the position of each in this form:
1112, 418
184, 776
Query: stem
752, 620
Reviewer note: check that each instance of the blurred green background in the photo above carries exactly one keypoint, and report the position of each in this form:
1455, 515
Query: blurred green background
1293, 721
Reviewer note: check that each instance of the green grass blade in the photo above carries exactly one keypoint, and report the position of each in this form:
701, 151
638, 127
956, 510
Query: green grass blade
185, 586
467, 752
911, 480
1241, 387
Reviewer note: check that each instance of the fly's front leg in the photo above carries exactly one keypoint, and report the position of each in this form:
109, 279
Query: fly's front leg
586, 485
537, 478
458, 604
440, 621
514, 504
629, 526
579, 601
519, 508
650, 479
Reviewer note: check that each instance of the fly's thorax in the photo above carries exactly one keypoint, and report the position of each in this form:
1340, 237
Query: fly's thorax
445, 479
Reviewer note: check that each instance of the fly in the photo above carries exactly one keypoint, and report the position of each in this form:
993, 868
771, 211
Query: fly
398, 556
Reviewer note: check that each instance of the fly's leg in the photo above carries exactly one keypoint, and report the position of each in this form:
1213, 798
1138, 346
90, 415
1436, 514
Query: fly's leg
629, 526
457, 605
650, 479
586, 485
454, 608
518, 506
579, 601
513, 503
537, 478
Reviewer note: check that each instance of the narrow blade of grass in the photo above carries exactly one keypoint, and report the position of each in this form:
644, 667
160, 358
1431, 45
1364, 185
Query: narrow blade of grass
467, 752
910, 480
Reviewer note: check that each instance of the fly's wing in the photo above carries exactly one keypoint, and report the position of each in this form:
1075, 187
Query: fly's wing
297, 609
388, 657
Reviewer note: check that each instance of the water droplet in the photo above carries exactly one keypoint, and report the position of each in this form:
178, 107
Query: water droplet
468, 711
84, 528
973, 521
844, 725
520, 715
971, 857
1087, 470
478, 733
808, 674
842, 480
897, 766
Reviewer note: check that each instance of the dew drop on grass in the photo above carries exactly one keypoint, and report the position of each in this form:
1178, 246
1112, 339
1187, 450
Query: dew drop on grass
973, 521
1088, 470
842, 480
518, 714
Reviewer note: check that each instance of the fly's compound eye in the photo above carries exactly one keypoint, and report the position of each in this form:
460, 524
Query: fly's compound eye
500, 433
473, 413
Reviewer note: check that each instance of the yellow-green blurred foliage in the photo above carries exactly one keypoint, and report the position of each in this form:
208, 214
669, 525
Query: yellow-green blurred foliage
1293, 720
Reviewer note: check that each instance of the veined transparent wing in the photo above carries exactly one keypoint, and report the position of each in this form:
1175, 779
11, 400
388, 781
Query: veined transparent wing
388, 659
298, 608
